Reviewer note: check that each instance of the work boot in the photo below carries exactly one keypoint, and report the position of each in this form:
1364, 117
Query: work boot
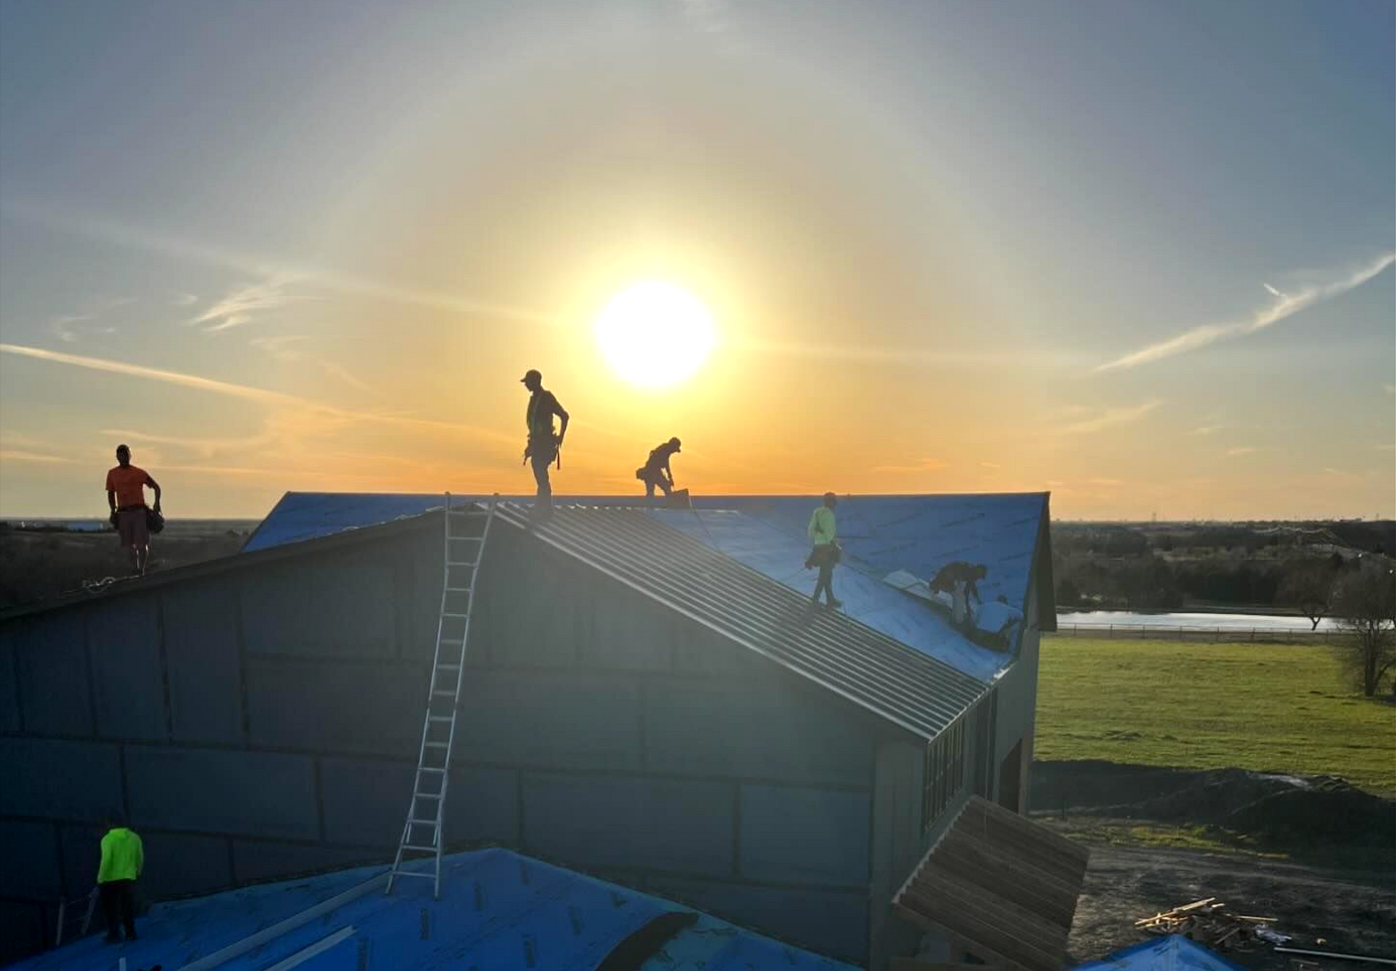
835, 604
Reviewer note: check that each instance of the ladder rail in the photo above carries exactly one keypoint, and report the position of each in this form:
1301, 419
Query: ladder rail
438, 816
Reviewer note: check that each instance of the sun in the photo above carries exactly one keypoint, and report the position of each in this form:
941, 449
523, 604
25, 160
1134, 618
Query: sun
654, 334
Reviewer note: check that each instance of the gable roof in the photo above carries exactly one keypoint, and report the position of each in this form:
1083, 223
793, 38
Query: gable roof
882, 536
915, 691
498, 909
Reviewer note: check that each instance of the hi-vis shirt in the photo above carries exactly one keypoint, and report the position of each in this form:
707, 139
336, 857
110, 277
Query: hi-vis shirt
821, 526
123, 857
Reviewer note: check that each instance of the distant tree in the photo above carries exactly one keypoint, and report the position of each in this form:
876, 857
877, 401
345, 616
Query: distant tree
1067, 594
1312, 590
1366, 611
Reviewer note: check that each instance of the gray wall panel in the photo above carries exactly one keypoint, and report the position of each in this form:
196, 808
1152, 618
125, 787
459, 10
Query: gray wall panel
339, 605
256, 861
128, 681
573, 721
9, 678
253, 793
201, 652
760, 728
53, 676
625, 822
59, 779
346, 707
27, 927
366, 801
31, 860
829, 922
798, 835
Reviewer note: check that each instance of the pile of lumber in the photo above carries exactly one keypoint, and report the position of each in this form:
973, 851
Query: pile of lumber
1209, 922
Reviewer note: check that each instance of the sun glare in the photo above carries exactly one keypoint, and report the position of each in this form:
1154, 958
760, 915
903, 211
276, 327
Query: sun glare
654, 334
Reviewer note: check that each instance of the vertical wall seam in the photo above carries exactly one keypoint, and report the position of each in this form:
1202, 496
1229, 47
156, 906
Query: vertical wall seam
241, 635
319, 798
520, 815
125, 789
736, 829
62, 862
15, 669
90, 672
164, 665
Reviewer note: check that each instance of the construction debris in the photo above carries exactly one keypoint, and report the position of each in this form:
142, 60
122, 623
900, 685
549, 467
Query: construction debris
1208, 922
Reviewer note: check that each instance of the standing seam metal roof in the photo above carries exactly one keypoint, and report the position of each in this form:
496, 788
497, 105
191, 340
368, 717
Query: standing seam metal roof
918, 693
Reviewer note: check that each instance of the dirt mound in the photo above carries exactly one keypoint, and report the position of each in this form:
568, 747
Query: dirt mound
1330, 810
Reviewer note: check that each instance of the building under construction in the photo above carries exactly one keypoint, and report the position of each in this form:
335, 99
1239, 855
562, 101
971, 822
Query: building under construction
648, 696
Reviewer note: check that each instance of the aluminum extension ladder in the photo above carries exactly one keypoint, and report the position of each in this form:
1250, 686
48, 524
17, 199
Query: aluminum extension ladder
426, 812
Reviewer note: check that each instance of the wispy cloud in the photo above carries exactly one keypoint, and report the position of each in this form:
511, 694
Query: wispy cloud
280, 346
1273, 292
72, 328
1107, 483
241, 304
1109, 418
1206, 430
326, 412
1389, 388
1285, 305
347, 376
184, 299
19, 455
991, 465
1239, 450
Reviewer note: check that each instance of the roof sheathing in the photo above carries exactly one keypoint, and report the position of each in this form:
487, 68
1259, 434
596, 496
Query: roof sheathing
915, 692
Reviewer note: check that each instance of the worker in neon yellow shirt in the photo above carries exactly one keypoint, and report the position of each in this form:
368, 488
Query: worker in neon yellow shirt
123, 858
825, 550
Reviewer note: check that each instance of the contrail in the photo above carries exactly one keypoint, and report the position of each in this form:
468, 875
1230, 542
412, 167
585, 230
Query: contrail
1286, 305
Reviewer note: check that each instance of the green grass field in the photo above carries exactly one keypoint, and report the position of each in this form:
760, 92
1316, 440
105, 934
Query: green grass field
1265, 707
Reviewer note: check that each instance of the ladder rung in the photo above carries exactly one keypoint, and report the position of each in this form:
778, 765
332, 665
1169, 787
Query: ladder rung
457, 616
451, 640
468, 511
461, 562
434, 744
422, 822
443, 694
457, 589
414, 873
428, 768
466, 539
438, 718
427, 795
448, 667
419, 849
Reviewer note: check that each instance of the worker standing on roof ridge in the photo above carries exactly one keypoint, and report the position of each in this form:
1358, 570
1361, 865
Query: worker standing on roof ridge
123, 859
825, 552
656, 470
544, 444
126, 495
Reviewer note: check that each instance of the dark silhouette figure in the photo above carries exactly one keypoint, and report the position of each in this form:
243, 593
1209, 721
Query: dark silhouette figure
544, 443
656, 471
126, 496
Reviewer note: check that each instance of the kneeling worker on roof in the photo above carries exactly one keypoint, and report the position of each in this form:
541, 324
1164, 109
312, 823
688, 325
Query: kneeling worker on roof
825, 550
656, 470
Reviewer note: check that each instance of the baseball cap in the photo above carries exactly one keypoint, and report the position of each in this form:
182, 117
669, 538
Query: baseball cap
531, 373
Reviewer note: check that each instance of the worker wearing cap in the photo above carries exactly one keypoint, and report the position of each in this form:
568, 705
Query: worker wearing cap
544, 443
123, 859
656, 470
825, 550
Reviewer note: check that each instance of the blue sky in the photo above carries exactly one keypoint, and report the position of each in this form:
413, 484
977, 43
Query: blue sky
925, 231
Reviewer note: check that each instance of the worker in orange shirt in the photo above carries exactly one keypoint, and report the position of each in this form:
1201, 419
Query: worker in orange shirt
126, 495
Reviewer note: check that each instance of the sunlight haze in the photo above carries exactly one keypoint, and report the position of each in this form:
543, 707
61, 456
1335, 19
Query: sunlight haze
1140, 257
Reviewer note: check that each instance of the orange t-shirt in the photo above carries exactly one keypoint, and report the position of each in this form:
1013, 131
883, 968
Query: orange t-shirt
127, 483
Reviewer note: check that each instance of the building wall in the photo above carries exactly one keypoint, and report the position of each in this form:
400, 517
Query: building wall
263, 722
899, 839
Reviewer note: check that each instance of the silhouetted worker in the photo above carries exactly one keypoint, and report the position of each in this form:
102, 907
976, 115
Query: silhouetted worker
544, 444
825, 552
656, 470
123, 858
126, 495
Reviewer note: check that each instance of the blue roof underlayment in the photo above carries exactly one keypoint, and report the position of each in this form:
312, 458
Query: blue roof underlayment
1171, 953
880, 535
497, 910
